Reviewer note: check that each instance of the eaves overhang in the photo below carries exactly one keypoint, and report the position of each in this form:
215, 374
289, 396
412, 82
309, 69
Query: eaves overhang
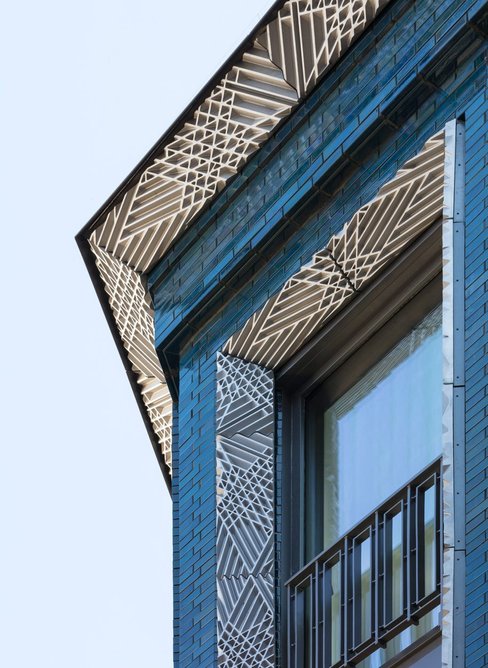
268, 75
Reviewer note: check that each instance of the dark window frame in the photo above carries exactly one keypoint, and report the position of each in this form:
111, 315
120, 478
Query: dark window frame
361, 333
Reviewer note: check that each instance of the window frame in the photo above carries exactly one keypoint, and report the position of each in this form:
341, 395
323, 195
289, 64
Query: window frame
407, 289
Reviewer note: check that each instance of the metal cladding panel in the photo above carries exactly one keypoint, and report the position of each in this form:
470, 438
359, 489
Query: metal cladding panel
403, 208
217, 139
245, 514
306, 38
429, 186
133, 313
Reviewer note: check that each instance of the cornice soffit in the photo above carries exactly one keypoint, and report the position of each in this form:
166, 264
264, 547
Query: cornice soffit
287, 58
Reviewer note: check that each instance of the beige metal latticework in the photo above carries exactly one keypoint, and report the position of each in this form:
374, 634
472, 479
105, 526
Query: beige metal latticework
286, 60
377, 233
308, 36
133, 313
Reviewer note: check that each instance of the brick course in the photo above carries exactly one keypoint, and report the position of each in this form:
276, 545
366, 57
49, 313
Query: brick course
419, 65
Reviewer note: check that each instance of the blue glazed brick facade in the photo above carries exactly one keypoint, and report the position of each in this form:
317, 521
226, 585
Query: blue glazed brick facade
476, 355
419, 65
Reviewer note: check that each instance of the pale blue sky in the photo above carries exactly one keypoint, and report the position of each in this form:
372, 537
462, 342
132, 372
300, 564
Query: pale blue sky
85, 553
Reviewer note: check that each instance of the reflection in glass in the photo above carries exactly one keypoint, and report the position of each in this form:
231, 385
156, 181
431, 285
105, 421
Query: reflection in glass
402, 641
334, 612
429, 540
365, 589
393, 564
384, 430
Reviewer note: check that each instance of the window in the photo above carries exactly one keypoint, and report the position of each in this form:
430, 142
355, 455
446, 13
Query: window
367, 443
362, 502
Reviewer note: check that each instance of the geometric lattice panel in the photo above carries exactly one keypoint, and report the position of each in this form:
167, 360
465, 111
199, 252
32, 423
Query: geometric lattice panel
225, 130
289, 318
403, 209
245, 513
308, 36
132, 309
284, 62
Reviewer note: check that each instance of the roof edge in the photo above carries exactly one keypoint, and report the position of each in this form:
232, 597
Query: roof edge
177, 124
97, 281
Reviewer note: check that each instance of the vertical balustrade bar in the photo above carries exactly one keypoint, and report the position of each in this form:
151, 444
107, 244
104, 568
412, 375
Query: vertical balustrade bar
315, 596
347, 602
326, 593
299, 627
420, 543
438, 530
373, 579
327, 635
356, 592
343, 575
387, 569
309, 602
291, 628
409, 593
377, 575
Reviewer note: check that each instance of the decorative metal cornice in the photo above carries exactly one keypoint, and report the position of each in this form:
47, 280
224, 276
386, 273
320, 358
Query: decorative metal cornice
286, 60
226, 129
307, 36
377, 233
132, 309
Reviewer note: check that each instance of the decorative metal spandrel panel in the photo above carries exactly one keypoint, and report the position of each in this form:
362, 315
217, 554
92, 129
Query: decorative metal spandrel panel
245, 513
404, 208
285, 62
132, 309
247, 637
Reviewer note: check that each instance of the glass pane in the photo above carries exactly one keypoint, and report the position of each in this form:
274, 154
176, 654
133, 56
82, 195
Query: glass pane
402, 641
333, 616
429, 538
393, 556
366, 589
384, 430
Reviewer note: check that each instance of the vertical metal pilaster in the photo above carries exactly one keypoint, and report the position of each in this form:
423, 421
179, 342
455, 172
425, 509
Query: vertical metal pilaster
245, 472
454, 469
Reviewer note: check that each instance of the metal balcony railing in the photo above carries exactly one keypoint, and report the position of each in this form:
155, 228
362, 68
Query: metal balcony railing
377, 580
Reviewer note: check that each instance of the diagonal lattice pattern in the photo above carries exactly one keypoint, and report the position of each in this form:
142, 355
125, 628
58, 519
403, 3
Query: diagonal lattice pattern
246, 637
287, 58
225, 130
132, 309
294, 314
308, 36
245, 513
404, 208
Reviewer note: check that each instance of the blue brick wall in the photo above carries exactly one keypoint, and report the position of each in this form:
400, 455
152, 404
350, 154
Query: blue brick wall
476, 355
374, 110
365, 93
194, 480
